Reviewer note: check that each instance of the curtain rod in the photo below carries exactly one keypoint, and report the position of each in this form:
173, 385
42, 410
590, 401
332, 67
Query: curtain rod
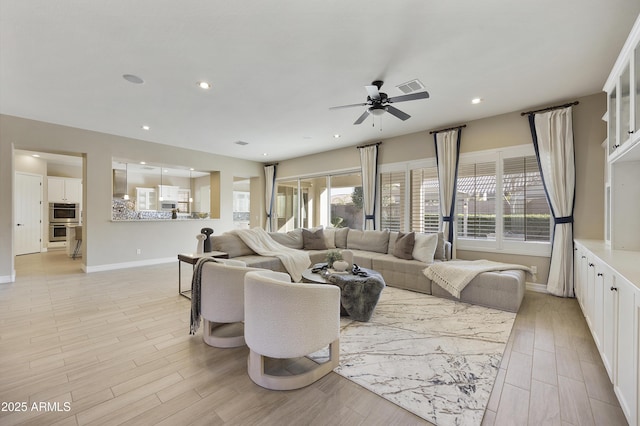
550, 108
270, 164
371, 144
450, 128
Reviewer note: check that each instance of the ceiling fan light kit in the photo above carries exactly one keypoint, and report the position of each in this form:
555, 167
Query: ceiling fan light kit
378, 102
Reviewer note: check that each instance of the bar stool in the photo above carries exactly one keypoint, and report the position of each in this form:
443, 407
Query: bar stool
76, 251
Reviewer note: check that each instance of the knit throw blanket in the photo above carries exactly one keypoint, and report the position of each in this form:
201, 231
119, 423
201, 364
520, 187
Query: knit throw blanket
196, 283
294, 261
454, 276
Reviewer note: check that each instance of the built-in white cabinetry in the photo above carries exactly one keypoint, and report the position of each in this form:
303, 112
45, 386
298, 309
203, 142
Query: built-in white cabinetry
622, 191
64, 190
146, 199
608, 289
168, 192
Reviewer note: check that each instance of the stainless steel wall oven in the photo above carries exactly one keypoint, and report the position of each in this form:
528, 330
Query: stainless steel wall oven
64, 213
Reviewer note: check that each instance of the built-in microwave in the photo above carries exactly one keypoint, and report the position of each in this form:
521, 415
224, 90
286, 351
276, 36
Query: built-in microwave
167, 206
64, 212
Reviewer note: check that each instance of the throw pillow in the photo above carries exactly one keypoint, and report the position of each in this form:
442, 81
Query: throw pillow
313, 240
403, 248
439, 253
330, 237
291, 239
231, 244
341, 237
424, 247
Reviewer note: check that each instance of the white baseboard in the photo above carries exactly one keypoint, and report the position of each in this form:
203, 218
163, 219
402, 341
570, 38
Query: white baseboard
538, 288
8, 278
123, 265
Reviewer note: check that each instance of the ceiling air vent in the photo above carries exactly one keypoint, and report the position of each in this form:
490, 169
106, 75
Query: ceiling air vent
411, 86
241, 143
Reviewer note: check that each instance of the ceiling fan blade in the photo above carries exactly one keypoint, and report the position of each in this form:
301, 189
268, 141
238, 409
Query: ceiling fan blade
348, 106
373, 92
411, 97
362, 117
396, 112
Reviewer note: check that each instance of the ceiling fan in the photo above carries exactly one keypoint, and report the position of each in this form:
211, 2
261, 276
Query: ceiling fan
378, 102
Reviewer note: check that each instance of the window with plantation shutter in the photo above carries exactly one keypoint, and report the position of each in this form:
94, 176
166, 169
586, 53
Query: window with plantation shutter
392, 201
425, 200
476, 201
526, 215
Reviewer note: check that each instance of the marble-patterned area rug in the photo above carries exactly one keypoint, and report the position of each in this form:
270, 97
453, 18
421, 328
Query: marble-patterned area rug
434, 357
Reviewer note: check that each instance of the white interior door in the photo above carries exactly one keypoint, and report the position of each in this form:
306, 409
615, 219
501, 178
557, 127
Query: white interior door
28, 214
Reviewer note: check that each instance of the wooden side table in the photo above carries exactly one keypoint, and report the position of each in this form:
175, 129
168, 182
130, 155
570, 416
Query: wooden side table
192, 259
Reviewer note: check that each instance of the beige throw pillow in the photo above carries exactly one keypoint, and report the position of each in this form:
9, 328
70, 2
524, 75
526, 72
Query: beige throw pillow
424, 247
403, 248
330, 237
439, 253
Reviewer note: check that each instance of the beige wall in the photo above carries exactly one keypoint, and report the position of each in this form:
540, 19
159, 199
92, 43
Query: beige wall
491, 133
113, 243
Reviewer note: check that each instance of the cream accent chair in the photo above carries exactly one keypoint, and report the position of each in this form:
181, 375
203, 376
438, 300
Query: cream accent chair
222, 302
286, 321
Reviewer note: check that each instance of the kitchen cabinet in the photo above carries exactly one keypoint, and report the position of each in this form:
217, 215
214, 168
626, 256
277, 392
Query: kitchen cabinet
168, 192
146, 199
608, 283
64, 190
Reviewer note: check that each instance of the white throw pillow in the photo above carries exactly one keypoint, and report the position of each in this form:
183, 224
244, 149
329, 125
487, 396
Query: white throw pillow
424, 247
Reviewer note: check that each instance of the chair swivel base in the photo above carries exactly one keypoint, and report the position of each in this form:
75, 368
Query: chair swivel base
290, 378
223, 335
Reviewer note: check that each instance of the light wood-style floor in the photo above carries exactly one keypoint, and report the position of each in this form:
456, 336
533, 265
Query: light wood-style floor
114, 348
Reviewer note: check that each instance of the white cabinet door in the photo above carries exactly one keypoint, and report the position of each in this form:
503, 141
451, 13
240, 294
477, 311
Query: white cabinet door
55, 190
64, 190
626, 366
590, 278
597, 320
73, 190
610, 323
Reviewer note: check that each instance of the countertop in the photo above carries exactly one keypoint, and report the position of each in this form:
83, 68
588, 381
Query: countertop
625, 263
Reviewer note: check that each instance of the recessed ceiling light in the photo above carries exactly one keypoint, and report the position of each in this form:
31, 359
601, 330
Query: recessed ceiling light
165, 171
145, 127
204, 85
133, 78
337, 136
476, 100
143, 162
264, 154
191, 168
36, 155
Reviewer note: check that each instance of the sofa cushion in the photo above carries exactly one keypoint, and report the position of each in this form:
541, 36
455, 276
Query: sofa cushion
291, 239
230, 244
403, 247
375, 241
341, 237
424, 247
313, 239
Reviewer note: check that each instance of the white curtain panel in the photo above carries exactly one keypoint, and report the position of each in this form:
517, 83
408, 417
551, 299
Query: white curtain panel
270, 182
553, 140
447, 147
369, 164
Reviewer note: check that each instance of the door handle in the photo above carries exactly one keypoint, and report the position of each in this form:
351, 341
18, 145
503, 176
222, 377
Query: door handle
614, 288
19, 224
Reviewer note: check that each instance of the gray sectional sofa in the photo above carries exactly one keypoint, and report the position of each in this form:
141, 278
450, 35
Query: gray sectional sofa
382, 251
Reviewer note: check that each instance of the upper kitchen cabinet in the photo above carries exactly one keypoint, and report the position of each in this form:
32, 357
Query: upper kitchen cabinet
623, 104
64, 190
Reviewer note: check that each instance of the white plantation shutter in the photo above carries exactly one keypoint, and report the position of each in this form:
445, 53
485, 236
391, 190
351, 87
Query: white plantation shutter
526, 215
425, 200
476, 201
392, 201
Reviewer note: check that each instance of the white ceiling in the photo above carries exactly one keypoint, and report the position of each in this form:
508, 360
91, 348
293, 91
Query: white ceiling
276, 67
